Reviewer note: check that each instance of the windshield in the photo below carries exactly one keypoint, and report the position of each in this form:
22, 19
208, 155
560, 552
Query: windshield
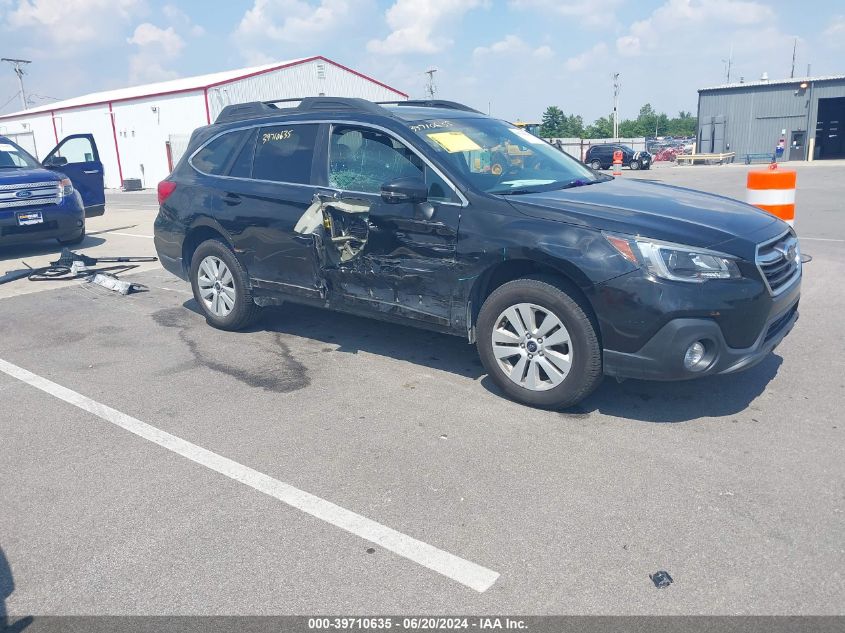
13, 157
498, 157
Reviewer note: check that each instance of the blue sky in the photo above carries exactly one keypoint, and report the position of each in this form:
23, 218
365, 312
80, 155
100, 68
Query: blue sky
514, 56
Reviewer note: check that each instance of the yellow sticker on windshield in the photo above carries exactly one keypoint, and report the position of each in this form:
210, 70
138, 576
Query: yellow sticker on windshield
454, 142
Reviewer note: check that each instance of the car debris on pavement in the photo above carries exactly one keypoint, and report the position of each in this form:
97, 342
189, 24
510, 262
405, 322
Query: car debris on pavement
78, 266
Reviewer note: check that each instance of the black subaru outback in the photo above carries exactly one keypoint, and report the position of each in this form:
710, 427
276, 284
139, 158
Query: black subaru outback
435, 215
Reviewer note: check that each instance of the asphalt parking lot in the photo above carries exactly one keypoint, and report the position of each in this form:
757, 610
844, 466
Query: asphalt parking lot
153, 465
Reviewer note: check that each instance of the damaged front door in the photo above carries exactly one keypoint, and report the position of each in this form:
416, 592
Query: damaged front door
404, 259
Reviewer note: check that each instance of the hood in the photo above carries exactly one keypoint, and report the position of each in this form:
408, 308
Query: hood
33, 174
658, 211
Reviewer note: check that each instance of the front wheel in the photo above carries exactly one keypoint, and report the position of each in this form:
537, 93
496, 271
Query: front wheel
221, 287
635, 165
595, 164
539, 344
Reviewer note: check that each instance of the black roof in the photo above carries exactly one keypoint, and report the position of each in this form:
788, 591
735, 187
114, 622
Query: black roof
408, 110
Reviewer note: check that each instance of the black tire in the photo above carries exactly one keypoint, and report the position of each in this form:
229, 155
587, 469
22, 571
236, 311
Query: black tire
635, 165
74, 240
595, 164
245, 311
586, 370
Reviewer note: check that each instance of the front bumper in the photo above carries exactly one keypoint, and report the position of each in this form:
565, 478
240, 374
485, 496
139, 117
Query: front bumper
662, 357
60, 221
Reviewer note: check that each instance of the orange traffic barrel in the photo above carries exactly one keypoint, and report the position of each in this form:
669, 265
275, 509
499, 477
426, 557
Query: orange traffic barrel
617, 163
773, 190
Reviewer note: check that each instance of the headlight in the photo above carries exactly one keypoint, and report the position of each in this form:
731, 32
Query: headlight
66, 187
675, 261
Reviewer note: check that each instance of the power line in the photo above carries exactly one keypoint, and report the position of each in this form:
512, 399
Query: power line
17, 66
14, 96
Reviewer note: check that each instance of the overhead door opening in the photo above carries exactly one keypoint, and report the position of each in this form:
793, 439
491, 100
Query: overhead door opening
830, 142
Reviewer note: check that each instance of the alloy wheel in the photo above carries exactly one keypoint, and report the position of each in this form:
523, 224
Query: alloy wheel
532, 347
216, 285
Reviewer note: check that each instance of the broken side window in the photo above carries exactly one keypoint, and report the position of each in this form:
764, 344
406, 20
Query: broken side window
362, 159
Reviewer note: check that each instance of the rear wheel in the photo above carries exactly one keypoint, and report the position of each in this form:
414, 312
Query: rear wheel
595, 164
539, 344
221, 287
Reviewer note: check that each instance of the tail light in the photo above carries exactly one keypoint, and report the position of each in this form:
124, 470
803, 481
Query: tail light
165, 188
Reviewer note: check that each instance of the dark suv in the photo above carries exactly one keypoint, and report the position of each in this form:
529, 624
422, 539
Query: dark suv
435, 215
601, 157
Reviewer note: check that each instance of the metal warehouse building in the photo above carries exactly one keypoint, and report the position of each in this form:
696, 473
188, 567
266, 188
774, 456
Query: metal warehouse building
142, 131
751, 118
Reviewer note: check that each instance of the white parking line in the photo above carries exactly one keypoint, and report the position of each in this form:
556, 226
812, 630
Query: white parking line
463, 571
820, 239
149, 237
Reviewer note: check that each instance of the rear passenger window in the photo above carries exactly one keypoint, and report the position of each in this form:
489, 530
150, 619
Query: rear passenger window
284, 153
215, 156
242, 167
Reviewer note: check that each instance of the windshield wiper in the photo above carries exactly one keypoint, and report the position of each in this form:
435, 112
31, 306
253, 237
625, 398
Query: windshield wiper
578, 182
517, 191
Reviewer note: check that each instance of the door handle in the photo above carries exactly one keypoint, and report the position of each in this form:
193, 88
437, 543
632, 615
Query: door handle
91, 171
232, 199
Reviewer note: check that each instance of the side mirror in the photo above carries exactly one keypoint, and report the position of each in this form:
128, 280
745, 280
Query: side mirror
406, 189
56, 161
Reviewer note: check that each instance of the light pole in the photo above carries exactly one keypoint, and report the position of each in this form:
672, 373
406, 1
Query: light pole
431, 88
17, 65
615, 105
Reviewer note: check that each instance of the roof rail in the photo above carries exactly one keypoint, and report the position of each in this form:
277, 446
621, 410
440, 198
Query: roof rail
432, 103
258, 109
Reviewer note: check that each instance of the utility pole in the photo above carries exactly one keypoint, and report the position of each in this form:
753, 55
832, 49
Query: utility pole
615, 105
17, 65
794, 49
431, 88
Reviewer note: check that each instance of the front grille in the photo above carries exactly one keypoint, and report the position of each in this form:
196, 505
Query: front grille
38, 194
779, 262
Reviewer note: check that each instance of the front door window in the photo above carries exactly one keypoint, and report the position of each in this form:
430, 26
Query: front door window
362, 160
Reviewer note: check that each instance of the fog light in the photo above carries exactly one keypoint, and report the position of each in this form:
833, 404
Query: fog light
694, 355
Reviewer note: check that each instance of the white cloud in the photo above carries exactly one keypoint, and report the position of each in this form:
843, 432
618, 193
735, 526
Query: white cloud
835, 33
179, 19
418, 25
155, 46
587, 13
291, 22
582, 61
674, 18
511, 45
74, 22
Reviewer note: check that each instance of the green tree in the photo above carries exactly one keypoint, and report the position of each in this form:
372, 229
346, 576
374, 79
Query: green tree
685, 124
573, 126
552, 123
630, 128
600, 128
